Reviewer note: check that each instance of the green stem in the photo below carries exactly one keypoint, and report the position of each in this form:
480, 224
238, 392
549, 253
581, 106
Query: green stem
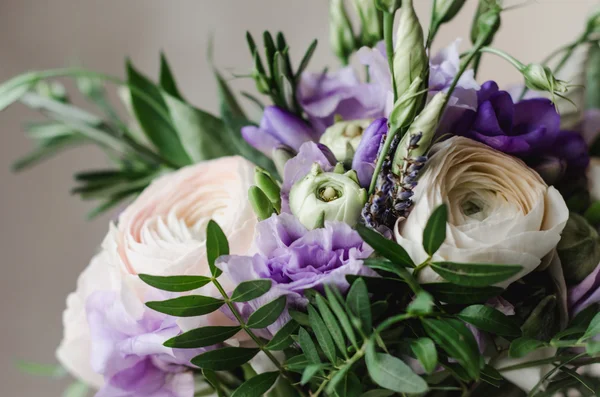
392, 321
388, 35
433, 26
514, 61
253, 336
357, 356
384, 151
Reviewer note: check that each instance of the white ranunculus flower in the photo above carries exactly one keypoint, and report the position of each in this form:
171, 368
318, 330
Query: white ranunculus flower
500, 210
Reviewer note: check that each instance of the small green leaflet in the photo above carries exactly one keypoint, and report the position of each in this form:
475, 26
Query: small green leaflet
593, 329
15, 88
166, 79
248, 290
385, 247
359, 304
392, 373
187, 306
297, 363
345, 383
216, 246
283, 338
422, 304
308, 347
434, 233
475, 274
425, 351
257, 386
331, 323
455, 294
492, 376
175, 283
202, 337
322, 333
310, 371
522, 346
336, 306
300, 317
592, 348
490, 320
46, 370
267, 314
224, 359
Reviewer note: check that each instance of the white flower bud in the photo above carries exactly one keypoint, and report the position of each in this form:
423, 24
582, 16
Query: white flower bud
343, 138
341, 35
540, 78
410, 57
406, 106
371, 31
445, 10
327, 196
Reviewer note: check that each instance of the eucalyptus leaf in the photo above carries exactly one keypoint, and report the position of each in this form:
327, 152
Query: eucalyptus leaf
322, 333
385, 247
475, 274
434, 233
257, 386
175, 283
252, 289
283, 338
359, 304
202, 337
490, 320
267, 314
426, 353
225, 359
216, 246
187, 306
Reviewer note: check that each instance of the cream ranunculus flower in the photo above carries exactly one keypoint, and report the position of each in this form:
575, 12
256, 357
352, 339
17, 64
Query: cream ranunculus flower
500, 210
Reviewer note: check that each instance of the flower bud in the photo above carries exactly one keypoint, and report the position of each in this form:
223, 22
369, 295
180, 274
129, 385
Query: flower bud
540, 78
343, 138
262, 206
445, 10
486, 21
407, 105
389, 6
327, 196
542, 321
270, 188
417, 139
593, 23
341, 35
578, 249
410, 57
371, 24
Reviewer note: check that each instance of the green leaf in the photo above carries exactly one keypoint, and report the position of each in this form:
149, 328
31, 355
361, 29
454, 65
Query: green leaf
377, 393
45, 370
434, 233
216, 246
359, 304
336, 306
426, 353
422, 304
257, 386
331, 323
523, 346
541, 322
490, 320
213, 379
267, 314
584, 317
306, 59
492, 376
283, 337
592, 348
310, 371
308, 347
187, 306
300, 317
385, 247
45, 152
454, 294
153, 116
297, 363
13, 89
322, 333
175, 283
202, 337
456, 340
592, 77
252, 289
167, 81
593, 329
392, 373
348, 384
475, 274
225, 359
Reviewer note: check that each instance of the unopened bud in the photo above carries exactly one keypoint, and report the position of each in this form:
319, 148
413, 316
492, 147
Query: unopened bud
578, 249
407, 105
486, 22
371, 24
262, 206
388, 5
267, 184
445, 10
540, 78
341, 35
343, 138
280, 156
551, 169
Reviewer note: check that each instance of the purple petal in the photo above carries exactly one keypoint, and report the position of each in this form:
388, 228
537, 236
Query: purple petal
286, 127
366, 152
260, 139
585, 293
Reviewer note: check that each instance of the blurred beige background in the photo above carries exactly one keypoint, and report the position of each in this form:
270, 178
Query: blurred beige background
44, 239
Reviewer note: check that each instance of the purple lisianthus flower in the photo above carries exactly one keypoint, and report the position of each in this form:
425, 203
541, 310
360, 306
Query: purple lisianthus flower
127, 349
366, 152
279, 128
586, 293
297, 259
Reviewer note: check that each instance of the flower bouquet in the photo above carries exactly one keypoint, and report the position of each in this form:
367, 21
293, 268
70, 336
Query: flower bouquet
401, 231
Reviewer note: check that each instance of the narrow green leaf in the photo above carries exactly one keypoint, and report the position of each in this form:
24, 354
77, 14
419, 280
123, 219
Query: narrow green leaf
257, 386
592, 387
322, 333
310, 371
345, 383
202, 337
377, 393
584, 317
211, 377
475, 274
252, 289
306, 58
434, 233
45, 370
385, 247
283, 338
267, 314
456, 340
455, 294
175, 283
422, 304
297, 363
45, 152
167, 81
593, 329
308, 347
522, 346
359, 304
490, 320
492, 376
331, 323
300, 317
216, 246
342, 316
392, 373
187, 306
426, 353
13, 89
592, 348
224, 359
592, 77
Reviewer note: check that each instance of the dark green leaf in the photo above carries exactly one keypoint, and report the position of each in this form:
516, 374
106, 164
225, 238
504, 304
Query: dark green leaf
522, 346
267, 314
300, 317
422, 304
45, 370
385, 247
475, 274
252, 289
490, 320
283, 337
310, 371
541, 322
454, 294
257, 386
308, 347
434, 233
377, 393
306, 59
202, 337
348, 384
593, 329
175, 283
224, 359
584, 317
229, 104
331, 323
213, 379
359, 304
582, 380
392, 373
336, 306
297, 363
45, 152
492, 376
425, 351
167, 81
456, 340
187, 306
216, 246
322, 333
